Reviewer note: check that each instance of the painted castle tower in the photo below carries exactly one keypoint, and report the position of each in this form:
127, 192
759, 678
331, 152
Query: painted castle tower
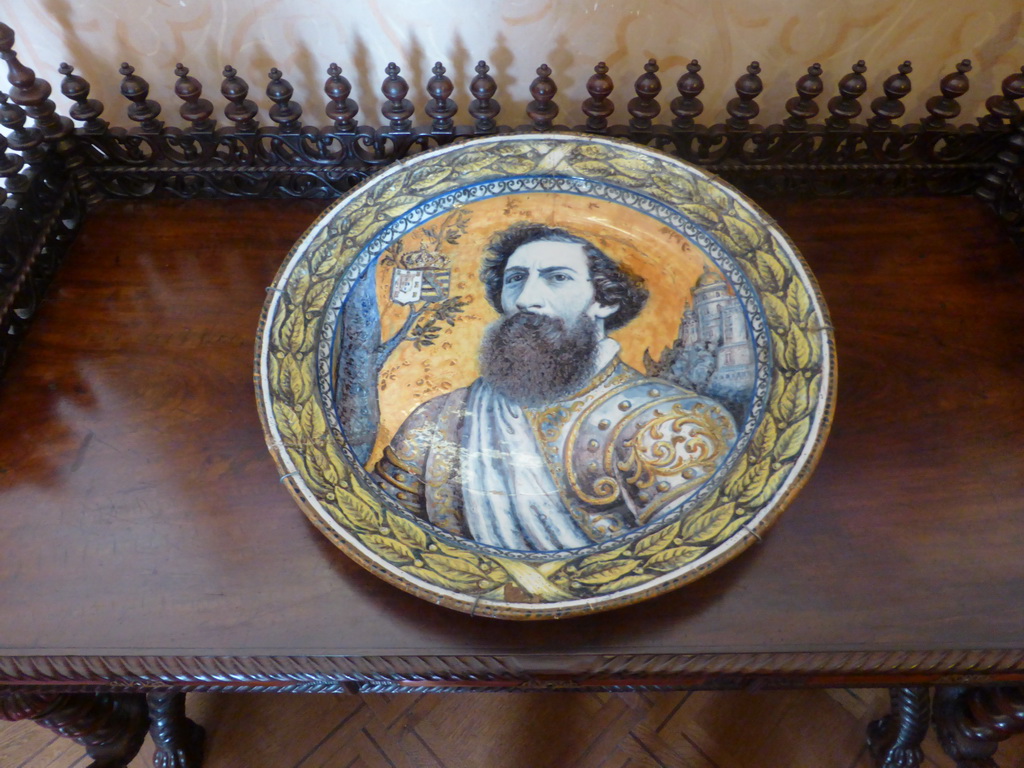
716, 322
713, 352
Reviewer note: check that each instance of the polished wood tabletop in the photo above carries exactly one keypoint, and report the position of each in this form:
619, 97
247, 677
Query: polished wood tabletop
142, 519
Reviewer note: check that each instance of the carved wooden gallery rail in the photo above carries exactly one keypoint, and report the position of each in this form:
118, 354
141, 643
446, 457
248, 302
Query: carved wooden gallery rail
57, 169
55, 166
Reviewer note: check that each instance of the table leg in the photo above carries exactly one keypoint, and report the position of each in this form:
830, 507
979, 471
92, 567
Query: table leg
111, 727
895, 740
971, 722
178, 740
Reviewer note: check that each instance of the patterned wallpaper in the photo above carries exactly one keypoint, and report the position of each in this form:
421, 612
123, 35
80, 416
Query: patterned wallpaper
302, 37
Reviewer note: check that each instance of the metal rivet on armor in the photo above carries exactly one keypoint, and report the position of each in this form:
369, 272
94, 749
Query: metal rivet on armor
593, 445
604, 424
662, 486
689, 474
625, 405
593, 467
654, 393
644, 497
402, 495
399, 477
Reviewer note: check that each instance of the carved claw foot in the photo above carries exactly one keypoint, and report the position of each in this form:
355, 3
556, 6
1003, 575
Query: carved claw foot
111, 727
179, 741
970, 722
895, 740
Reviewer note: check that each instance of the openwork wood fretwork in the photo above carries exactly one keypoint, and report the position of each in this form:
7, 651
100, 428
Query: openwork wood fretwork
846, 143
286, 156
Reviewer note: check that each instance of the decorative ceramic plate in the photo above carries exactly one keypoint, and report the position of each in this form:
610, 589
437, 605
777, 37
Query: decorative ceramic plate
534, 376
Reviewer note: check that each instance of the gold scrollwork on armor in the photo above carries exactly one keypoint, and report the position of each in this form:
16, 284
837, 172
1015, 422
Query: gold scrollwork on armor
675, 444
604, 490
549, 422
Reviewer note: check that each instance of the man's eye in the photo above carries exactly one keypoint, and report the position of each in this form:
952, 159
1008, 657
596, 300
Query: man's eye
512, 279
559, 277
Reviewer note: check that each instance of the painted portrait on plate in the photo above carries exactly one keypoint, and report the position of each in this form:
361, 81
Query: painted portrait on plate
549, 371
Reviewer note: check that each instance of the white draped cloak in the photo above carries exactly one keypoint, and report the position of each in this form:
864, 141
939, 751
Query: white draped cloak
509, 496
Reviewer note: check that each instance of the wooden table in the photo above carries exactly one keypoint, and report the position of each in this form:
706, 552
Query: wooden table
146, 544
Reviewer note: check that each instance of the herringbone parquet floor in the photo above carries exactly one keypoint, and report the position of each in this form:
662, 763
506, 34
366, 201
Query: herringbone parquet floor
777, 729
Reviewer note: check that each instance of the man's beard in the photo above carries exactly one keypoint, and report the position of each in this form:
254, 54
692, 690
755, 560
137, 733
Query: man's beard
535, 360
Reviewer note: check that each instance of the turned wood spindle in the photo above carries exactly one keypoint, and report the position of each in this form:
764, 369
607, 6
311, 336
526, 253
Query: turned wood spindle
398, 110
30, 97
846, 106
196, 110
644, 108
686, 106
12, 118
86, 110
1003, 108
598, 108
341, 109
802, 107
743, 108
32, 93
25, 140
889, 107
7, 266
240, 110
440, 108
483, 108
945, 107
142, 110
10, 167
285, 112
542, 110
999, 175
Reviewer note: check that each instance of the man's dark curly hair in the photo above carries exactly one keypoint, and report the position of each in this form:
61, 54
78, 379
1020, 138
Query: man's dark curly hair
613, 284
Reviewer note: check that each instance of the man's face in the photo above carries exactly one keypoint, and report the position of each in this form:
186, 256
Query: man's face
550, 278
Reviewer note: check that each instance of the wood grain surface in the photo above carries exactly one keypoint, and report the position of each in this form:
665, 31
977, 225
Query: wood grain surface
141, 514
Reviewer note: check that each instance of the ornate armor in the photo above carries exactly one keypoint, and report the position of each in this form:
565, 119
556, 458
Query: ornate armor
622, 451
